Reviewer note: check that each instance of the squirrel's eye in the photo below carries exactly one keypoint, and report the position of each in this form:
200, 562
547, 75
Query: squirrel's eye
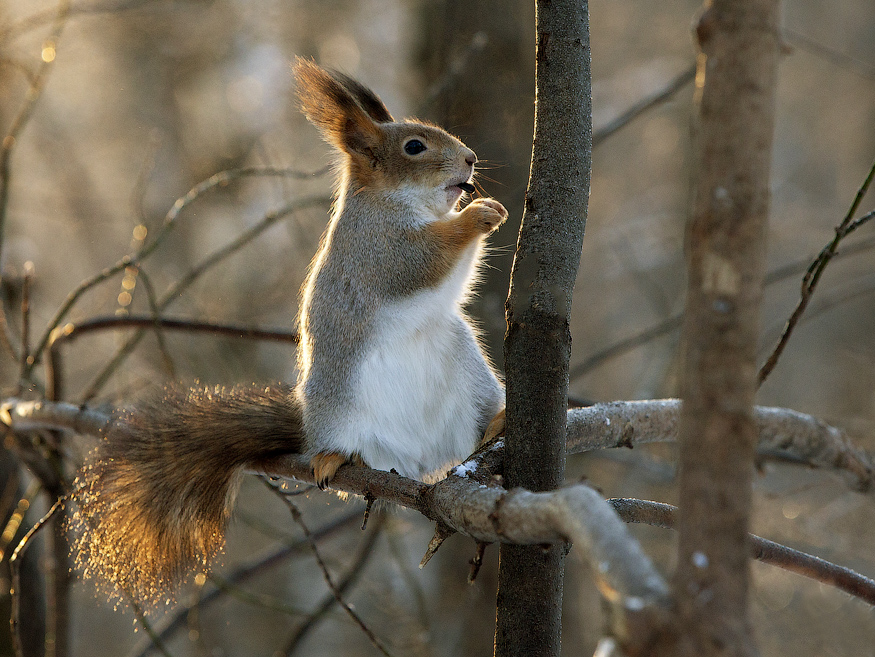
414, 147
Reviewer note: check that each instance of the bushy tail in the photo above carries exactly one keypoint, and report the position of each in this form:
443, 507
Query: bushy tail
153, 506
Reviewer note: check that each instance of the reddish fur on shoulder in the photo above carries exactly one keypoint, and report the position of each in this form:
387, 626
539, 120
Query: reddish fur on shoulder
154, 504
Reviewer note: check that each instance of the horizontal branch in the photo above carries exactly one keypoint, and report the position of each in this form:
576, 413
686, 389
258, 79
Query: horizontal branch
576, 514
762, 549
796, 436
72, 331
23, 416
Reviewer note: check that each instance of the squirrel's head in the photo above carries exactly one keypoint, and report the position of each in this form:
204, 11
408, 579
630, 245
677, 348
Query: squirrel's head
410, 160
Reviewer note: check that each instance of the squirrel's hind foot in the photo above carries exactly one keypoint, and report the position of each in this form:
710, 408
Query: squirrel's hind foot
326, 464
495, 429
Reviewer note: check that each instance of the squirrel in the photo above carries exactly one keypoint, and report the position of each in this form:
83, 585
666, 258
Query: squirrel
391, 373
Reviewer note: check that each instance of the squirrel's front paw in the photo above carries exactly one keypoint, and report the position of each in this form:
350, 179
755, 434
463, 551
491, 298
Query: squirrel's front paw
486, 213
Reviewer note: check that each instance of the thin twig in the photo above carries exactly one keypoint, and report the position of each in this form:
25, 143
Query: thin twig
218, 180
840, 59
147, 627
673, 323
352, 575
644, 105
775, 554
19, 122
299, 519
8, 506
242, 574
441, 534
477, 561
15, 567
193, 274
73, 331
156, 323
256, 599
625, 345
815, 271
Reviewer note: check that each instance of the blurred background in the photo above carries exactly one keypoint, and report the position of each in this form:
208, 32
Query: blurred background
141, 100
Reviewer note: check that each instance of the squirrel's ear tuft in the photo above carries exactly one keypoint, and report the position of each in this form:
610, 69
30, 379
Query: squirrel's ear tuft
369, 101
345, 111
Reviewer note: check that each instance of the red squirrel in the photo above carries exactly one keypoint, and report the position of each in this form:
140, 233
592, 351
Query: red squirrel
391, 371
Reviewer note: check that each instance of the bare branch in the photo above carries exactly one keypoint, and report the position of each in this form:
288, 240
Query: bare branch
644, 105
802, 437
196, 272
775, 554
670, 324
152, 299
488, 514
241, 574
815, 271
14, 564
336, 591
73, 331
349, 579
218, 180
19, 122
23, 416
491, 514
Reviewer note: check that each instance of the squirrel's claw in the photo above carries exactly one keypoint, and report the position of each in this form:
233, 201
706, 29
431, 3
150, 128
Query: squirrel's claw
326, 464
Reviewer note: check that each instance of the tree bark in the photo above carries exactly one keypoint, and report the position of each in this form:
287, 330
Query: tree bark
538, 340
737, 61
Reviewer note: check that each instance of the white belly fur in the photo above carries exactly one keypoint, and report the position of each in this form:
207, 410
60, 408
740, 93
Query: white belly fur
415, 399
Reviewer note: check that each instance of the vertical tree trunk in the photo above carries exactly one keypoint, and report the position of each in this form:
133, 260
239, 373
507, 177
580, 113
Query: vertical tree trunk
538, 341
726, 242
